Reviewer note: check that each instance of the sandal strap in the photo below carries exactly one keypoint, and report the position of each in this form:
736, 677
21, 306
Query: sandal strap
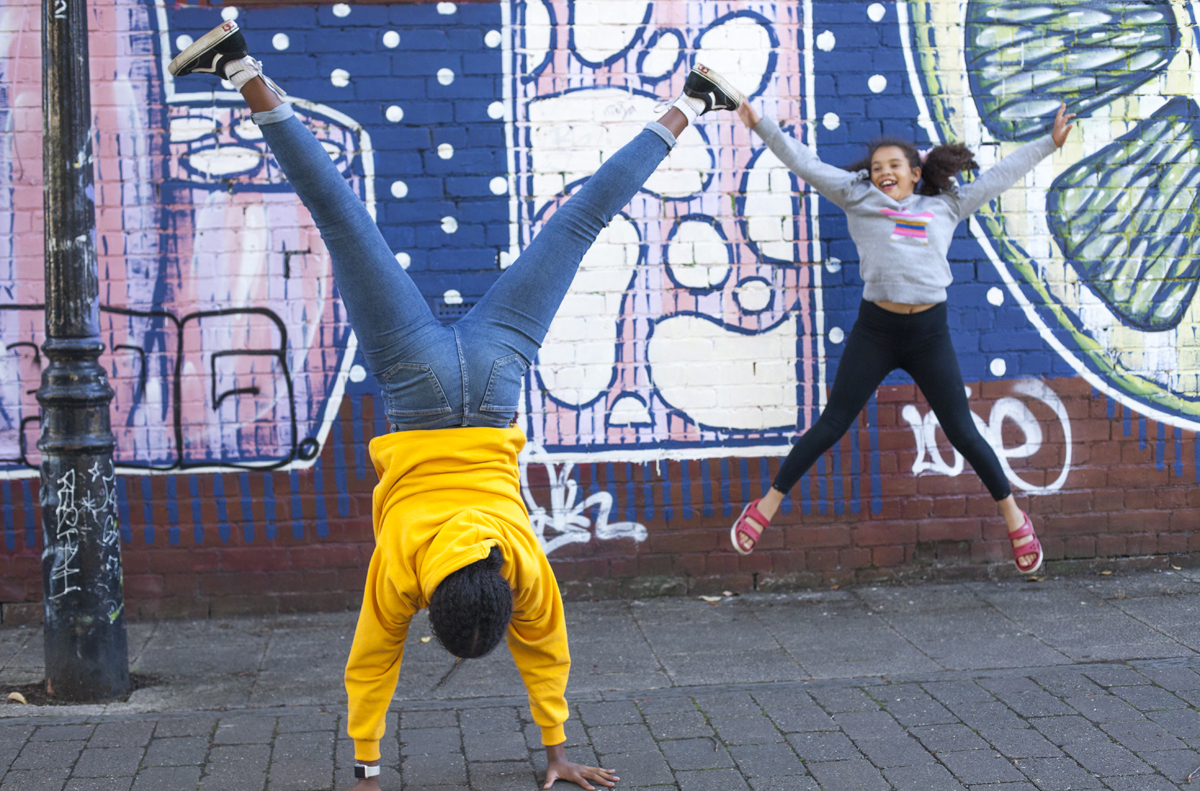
756, 515
745, 527
1032, 548
1022, 531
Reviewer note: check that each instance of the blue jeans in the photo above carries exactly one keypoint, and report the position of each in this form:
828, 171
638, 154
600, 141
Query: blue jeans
468, 374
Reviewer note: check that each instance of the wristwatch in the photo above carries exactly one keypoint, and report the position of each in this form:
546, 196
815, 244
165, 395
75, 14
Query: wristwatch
362, 771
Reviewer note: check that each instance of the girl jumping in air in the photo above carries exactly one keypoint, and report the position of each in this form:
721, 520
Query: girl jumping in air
901, 213
451, 530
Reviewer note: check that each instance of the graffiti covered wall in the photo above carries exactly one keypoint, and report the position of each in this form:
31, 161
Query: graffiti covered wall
704, 328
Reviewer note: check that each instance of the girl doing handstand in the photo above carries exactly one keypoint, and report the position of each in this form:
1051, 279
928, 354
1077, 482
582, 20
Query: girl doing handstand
451, 530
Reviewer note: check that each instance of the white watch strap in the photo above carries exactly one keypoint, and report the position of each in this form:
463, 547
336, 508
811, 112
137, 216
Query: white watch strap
366, 771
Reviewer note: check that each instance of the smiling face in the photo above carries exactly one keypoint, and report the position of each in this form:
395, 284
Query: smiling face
892, 173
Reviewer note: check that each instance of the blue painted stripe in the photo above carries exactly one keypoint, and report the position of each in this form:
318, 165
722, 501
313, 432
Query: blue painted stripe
223, 528
685, 488
297, 506
172, 512
764, 476
1111, 405
268, 501
664, 474
10, 530
806, 492
726, 505
247, 507
839, 506
339, 471
610, 486
822, 486
1160, 446
30, 516
706, 486
1125, 416
360, 447
148, 510
1178, 434
647, 491
1142, 433
319, 485
197, 516
123, 510
630, 504
855, 471
873, 438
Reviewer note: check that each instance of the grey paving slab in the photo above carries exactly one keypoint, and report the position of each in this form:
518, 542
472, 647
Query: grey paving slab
1064, 684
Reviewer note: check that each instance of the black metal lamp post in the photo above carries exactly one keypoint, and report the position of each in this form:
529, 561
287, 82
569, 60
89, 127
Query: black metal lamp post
85, 646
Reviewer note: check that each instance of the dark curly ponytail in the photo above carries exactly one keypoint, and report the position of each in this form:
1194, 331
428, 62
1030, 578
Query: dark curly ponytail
470, 610
940, 165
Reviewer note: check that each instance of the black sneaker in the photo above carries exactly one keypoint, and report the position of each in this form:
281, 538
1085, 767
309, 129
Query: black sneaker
713, 89
210, 54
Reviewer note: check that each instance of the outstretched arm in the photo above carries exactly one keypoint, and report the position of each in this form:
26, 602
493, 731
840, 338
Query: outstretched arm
1013, 167
831, 182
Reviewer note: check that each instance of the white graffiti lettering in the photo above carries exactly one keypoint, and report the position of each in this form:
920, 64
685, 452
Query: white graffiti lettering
566, 518
929, 456
66, 534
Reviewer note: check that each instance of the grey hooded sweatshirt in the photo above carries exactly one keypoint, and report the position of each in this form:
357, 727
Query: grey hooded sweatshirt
902, 245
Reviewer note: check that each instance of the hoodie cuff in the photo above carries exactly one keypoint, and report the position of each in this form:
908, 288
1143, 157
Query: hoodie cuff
555, 734
369, 750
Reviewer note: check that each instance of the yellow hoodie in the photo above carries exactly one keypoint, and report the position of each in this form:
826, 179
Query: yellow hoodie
445, 497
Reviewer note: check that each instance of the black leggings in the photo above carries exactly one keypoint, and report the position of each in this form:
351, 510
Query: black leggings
879, 343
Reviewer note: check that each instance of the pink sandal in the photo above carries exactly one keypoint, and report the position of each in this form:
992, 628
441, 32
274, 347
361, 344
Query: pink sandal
1030, 548
743, 527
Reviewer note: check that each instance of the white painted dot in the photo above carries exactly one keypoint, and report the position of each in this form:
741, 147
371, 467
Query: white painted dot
496, 110
399, 189
391, 39
998, 367
357, 373
445, 151
452, 297
831, 121
280, 41
340, 78
446, 8
445, 76
395, 113
836, 335
341, 9
826, 41
404, 260
877, 83
498, 185
833, 265
995, 296
229, 14
492, 38
183, 42
875, 11
505, 259
449, 224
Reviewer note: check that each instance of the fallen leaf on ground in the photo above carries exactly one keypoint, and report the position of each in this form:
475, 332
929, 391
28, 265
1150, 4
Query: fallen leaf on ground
1035, 579
1106, 573
1177, 568
426, 639
18, 697
709, 599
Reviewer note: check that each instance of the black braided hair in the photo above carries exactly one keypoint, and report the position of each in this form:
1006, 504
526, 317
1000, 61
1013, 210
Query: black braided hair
940, 165
470, 610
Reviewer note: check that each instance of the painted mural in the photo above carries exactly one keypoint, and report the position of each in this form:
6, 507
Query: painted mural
1100, 248
698, 337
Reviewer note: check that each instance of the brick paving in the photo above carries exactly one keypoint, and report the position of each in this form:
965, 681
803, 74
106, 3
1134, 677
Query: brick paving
970, 716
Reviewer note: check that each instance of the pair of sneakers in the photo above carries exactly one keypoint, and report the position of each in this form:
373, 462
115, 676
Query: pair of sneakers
223, 53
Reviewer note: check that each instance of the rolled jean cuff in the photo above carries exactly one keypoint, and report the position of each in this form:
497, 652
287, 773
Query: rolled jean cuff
276, 114
663, 132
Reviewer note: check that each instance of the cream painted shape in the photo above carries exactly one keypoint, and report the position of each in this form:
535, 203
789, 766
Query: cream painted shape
723, 379
605, 27
697, 256
577, 358
768, 210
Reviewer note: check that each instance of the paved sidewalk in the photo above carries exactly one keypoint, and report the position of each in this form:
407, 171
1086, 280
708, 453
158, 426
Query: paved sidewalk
1075, 683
